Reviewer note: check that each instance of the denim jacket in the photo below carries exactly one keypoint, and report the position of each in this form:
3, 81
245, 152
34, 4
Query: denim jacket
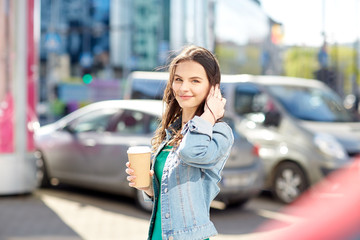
190, 178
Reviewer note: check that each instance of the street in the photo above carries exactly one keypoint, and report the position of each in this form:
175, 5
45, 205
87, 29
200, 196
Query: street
69, 213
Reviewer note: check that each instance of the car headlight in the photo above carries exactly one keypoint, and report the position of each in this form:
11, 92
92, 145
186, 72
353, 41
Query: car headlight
329, 145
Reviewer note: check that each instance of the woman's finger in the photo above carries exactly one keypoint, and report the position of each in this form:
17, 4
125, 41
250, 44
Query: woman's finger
211, 92
129, 171
219, 95
130, 178
216, 92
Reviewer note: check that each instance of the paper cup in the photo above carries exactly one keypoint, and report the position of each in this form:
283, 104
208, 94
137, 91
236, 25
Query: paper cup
139, 158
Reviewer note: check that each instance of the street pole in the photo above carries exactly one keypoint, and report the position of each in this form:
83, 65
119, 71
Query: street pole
323, 20
20, 82
355, 89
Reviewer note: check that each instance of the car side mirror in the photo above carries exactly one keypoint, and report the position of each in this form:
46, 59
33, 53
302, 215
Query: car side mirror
272, 118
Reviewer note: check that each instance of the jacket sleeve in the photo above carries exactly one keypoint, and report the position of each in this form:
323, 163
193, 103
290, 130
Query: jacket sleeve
204, 145
147, 198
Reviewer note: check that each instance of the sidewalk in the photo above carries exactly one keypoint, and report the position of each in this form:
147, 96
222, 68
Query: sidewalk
27, 217
58, 215
95, 223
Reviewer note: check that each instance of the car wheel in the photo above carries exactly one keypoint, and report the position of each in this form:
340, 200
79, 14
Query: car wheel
237, 204
139, 198
289, 182
42, 177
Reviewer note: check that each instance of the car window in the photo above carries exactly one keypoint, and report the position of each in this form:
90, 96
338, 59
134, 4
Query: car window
95, 121
256, 105
249, 99
148, 88
231, 124
311, 104
132, 122
154, 124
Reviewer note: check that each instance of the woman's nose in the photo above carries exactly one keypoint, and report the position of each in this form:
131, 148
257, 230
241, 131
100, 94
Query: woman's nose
184, 86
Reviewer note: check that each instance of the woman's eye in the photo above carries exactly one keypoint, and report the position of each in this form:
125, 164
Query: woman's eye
195, 81
178, 80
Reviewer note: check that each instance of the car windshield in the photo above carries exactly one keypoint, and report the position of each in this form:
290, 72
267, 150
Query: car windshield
148, 89
311, 104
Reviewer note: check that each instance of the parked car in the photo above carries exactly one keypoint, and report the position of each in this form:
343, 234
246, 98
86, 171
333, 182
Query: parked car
301, 126
88, 148
145, 85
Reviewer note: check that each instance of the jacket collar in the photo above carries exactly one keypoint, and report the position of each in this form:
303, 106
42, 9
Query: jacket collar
176, 125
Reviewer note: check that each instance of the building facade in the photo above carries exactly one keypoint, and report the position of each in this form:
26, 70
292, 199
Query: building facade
93, 45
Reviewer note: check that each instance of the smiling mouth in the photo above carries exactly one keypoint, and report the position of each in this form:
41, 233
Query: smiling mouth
185, 97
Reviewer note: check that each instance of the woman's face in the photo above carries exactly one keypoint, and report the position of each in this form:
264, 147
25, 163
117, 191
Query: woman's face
190, 85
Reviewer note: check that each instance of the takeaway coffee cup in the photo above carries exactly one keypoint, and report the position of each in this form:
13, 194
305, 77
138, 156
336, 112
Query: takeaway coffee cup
139, 158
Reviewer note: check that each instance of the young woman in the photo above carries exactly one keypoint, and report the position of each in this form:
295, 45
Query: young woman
190, 148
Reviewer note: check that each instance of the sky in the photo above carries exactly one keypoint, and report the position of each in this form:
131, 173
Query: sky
304, 20
239, 21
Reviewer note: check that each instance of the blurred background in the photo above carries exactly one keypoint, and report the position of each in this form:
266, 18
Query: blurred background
57, 56
91, 44
88, 45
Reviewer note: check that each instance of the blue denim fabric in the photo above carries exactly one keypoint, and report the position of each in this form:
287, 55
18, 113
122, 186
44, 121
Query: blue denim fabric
190, 178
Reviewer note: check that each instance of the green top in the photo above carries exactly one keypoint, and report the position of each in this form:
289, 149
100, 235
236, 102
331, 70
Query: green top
158, 169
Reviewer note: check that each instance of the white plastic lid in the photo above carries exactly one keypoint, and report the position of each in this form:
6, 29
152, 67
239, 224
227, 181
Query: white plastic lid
139, 149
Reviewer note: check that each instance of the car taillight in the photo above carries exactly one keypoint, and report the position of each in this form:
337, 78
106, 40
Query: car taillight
255, 150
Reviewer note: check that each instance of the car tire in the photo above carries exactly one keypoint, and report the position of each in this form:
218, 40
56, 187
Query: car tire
144, 205
237, 204
42, 176
289, 182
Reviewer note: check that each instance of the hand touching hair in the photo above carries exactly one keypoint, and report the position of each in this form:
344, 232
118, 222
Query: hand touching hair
215, 103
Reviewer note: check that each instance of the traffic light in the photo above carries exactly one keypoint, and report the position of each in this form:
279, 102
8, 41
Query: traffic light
277, 34
87, 78
86, 75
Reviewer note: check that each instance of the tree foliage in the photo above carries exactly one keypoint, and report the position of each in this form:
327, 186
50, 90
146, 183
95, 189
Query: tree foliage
302, 62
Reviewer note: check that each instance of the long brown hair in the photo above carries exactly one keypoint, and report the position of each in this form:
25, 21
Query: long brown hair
173, 110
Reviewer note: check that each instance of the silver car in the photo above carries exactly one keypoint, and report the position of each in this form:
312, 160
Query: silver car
88, 148
303, 131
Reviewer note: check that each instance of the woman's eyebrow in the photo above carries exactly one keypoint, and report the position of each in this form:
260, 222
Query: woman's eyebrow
194, 77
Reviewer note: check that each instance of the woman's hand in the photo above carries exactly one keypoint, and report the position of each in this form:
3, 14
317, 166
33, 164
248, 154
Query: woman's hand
131, 179
215, 104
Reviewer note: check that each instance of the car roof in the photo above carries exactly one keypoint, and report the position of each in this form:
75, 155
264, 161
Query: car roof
271, 80
235, 78
154, 107
149, 75
148, 106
